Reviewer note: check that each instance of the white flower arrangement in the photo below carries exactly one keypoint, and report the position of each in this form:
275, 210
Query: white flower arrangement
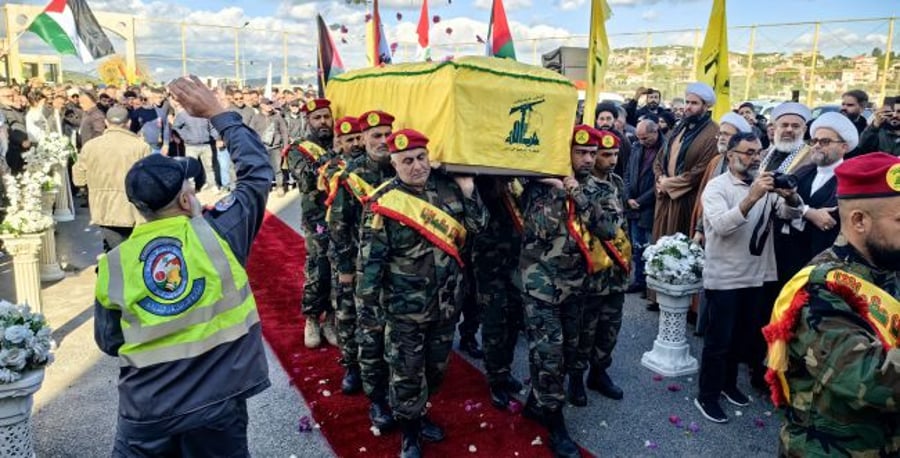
24, 213
25, 342
53, 151
675, 260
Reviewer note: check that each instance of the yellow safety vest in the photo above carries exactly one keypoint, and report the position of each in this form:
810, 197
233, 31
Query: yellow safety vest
180, 290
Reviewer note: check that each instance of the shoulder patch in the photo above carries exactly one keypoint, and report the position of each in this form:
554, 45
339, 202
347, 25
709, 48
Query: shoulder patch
225, 203
165, 275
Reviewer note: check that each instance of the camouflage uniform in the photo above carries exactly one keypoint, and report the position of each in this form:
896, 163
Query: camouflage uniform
552, 274
606, 296
845, 389
363, 345
421, 287
495, 256
317, 287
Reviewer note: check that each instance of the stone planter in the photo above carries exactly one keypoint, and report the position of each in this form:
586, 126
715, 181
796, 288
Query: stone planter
671, 354
16, 400
64, 208
25, 250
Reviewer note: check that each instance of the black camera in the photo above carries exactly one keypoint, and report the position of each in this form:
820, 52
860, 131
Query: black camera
785, 180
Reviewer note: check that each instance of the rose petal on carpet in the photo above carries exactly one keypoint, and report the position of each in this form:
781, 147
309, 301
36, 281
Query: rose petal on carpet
462, 406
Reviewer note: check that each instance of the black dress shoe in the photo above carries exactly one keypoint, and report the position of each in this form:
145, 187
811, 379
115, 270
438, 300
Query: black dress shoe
352, 382
431, 432
653, 307
470, 346
599, 381
381, 416
499, 396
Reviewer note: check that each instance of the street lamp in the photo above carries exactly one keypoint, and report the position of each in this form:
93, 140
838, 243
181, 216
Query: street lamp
243, 60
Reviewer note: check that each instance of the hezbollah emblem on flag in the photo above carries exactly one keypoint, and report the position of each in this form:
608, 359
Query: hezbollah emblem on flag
345, 127
582, 137
400, 141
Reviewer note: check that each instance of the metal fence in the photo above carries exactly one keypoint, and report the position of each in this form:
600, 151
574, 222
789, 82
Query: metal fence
821, 60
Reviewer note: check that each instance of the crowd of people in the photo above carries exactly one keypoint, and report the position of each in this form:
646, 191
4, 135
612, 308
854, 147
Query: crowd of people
397, 251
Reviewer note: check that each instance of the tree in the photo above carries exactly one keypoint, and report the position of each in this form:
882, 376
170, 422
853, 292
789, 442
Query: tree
877, 52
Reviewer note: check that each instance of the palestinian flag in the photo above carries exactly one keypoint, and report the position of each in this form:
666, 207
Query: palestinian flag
330, 64
70, 28
499, 40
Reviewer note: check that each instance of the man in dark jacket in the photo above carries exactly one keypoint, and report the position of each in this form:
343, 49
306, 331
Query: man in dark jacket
884, 133
607, 113
640, 194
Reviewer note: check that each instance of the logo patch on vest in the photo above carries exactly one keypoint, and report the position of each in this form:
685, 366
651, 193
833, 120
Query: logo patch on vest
165, 275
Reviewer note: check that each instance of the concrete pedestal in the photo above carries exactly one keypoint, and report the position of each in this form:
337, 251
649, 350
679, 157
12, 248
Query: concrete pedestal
671, 354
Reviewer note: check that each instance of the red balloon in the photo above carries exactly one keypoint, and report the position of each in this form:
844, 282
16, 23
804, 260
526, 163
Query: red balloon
449, 30
436, 19
399, 16
343, 29
368, 17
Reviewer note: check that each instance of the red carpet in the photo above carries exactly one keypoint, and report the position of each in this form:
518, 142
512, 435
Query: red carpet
462, 407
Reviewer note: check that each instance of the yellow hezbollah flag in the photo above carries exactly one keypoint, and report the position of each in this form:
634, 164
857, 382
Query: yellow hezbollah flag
712, 66
480, 113
598, 58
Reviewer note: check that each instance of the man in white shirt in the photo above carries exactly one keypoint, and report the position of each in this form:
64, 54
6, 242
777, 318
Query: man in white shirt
738, 212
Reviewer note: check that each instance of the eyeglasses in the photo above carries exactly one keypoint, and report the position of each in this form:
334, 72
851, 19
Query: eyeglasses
823, 142
749, 152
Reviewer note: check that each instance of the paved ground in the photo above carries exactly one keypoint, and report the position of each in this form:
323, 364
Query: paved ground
74, 412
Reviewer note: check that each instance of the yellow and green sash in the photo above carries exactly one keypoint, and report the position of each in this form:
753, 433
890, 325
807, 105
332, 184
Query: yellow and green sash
874, 305
325, 182
598, 254
352, 183
309, 150
429, 221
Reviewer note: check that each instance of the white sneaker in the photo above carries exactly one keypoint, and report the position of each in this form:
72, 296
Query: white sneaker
312, 333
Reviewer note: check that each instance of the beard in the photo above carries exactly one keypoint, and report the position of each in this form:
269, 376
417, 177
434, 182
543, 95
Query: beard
893, 125
782, 145
653, 105
722, 148
324, 135
582, 172
883, 257
357, 150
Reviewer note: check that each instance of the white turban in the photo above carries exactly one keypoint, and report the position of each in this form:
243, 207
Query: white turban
838, 123
702, 90
737, 121
792, 108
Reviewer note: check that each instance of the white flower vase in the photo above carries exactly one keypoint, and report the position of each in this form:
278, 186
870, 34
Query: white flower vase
64, 208
16, 400
671, 354
25, 250
50, 269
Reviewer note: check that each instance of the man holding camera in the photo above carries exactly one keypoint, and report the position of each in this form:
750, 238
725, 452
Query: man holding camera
884, 132
738, 209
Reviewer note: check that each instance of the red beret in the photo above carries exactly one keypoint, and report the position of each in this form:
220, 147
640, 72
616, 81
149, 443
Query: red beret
315, 104
585, 135
346, 126
405, 140
375, 118
869, 175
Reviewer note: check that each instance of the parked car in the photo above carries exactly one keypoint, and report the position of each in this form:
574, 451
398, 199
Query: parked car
822, 109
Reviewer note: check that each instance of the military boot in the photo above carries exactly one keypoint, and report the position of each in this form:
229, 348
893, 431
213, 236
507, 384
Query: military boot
559, 441
599, 381
430, 431
499, 395
312, 333
576, 395
469, 345
513, 385
410, 443
380, 414
352, 382
531, 410
329, 330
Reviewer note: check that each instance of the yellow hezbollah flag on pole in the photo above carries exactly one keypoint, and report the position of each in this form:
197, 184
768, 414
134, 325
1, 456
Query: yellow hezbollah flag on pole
598, 58
713, 68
